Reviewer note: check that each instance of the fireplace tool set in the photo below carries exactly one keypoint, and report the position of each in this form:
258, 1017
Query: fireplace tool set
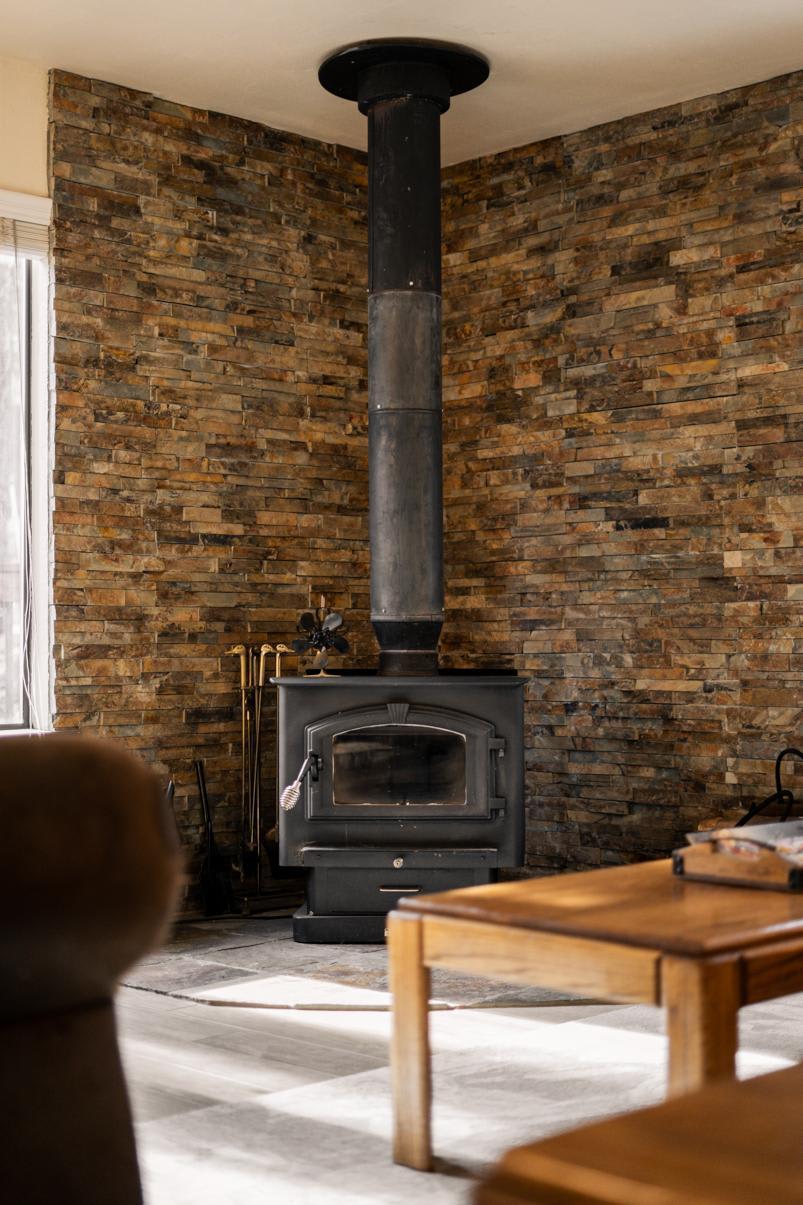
320, 631
252, 683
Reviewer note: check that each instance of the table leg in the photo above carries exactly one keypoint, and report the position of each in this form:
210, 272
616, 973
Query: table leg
702, 999
410, 1067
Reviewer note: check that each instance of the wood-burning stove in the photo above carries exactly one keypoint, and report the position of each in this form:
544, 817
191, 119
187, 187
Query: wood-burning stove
415, 784
411, 777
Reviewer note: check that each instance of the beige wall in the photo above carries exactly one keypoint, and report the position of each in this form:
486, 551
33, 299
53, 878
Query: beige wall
23, 127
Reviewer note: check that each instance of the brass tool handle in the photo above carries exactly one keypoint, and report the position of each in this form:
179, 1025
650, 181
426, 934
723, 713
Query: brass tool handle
280, 650
239, 650
263, 652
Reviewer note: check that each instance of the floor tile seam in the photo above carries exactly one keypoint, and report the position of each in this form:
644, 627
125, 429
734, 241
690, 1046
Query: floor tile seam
261, 1091
148, 1044
215, 1037
345, 1043
266, 1097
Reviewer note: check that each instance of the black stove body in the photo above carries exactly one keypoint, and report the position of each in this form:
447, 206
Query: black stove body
413, 775
415, 785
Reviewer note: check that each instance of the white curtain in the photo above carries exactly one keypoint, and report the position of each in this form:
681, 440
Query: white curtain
23, 260
14, 499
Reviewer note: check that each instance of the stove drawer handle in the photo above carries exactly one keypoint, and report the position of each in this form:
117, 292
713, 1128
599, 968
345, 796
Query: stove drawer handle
400, 890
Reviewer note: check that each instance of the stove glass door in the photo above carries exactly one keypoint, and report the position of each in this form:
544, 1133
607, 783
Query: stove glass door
399, 765
400, 761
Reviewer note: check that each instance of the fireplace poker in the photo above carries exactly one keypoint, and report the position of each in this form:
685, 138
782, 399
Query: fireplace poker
272, 835
240, 651
250, 853
250, 743
256, 786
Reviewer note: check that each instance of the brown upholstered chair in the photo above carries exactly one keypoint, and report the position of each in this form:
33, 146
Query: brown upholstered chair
88, 870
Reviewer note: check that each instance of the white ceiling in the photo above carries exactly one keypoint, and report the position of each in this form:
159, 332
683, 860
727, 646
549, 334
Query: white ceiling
556, 65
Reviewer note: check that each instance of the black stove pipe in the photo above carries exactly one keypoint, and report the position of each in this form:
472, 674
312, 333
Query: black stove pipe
403, 87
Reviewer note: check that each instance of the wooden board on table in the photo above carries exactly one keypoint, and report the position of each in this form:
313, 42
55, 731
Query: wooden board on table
765, 869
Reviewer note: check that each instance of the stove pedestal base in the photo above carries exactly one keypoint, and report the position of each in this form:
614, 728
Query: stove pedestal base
351, 928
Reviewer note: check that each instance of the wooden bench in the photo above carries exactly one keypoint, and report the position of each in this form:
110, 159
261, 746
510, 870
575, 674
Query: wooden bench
632, 934
735, 1143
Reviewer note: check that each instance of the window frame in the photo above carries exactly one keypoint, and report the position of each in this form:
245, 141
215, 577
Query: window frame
34, 263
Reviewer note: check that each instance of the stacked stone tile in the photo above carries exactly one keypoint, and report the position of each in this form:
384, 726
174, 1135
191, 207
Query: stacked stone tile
623, 372
210, 472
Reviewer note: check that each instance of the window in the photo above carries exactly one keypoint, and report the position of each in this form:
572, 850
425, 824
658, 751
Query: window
24, 475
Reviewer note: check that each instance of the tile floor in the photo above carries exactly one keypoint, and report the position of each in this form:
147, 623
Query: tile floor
246, 1106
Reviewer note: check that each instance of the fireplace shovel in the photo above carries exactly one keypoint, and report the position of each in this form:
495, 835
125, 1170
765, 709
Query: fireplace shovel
214, 883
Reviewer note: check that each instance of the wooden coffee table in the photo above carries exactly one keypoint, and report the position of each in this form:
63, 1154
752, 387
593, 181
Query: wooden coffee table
631, 934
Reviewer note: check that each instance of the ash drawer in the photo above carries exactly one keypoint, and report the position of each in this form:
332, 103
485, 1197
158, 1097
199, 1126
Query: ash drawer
368, 889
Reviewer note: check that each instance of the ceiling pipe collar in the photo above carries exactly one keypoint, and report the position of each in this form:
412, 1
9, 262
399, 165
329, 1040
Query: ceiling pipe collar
340, 73
390, 81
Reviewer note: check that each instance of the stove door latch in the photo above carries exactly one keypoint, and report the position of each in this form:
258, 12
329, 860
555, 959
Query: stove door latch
291, 794
496, 751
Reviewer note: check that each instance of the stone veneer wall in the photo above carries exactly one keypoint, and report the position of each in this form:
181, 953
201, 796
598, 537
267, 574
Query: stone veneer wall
624, 362
623, 371
210, 416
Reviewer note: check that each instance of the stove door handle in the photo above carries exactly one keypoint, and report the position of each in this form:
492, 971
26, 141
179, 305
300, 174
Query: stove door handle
290, 795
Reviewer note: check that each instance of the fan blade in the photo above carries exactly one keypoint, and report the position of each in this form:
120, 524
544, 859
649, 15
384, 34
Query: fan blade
307, 622
332, 621
300, 646
341, 644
